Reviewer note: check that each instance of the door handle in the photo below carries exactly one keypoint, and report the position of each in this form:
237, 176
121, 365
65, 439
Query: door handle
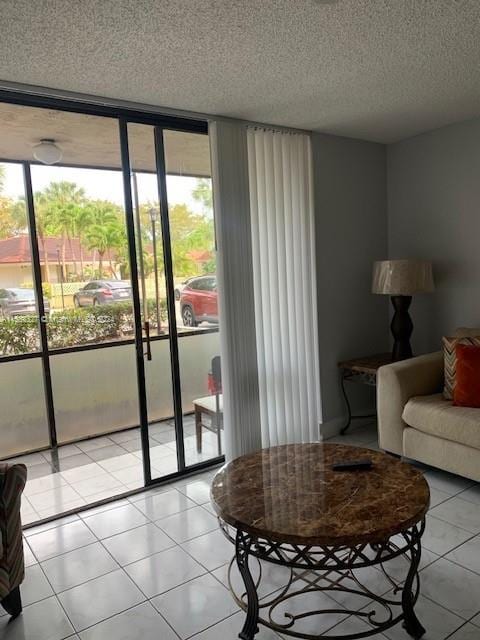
146, 326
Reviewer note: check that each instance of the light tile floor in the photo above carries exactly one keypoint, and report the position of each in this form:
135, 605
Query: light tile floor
154, 566
91, 470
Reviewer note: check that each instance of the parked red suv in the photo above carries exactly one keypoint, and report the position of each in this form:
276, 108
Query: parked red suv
198, 301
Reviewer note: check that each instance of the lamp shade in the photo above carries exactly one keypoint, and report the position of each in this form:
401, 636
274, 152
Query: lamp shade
402, 277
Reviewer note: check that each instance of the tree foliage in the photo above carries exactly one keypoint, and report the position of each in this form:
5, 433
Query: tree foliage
63, 210
203, 193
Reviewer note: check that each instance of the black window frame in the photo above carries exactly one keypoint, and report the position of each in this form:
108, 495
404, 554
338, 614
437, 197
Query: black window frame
161, 121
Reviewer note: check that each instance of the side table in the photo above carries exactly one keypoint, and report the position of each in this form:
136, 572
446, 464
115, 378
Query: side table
363, 371
323, 530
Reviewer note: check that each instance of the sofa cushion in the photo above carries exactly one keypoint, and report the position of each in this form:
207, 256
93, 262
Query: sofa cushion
439, 417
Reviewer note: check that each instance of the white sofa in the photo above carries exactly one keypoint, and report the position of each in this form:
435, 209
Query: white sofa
415, 421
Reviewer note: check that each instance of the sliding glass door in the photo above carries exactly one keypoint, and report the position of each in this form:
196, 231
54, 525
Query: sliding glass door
171, 195
107, 240
189, 202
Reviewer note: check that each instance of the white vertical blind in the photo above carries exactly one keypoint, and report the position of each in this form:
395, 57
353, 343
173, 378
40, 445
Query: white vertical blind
283, 256
235, 286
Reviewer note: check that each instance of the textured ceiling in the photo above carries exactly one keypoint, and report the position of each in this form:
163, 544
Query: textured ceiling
375, 69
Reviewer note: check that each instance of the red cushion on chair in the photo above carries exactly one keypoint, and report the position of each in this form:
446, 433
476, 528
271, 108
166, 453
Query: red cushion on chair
467, 387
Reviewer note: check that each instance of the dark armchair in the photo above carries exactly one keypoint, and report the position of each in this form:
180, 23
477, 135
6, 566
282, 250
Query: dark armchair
12, 568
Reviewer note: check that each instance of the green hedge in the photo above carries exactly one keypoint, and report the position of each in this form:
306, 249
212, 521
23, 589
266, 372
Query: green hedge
72, 327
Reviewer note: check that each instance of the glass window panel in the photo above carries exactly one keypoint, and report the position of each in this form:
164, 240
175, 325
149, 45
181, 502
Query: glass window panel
192, 229
192, 232
95, 392
152, 286
19, 330
162, 438
24, 425
83, 250
196, 353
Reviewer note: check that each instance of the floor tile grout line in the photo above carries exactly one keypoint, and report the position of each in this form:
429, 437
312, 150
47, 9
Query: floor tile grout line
448, 521
81, 584
455, 631
162, 593
58, 599
442, 606
93, 515
82, 516
461, 565
118, 613
180, 544
443, 555
205, 628
197, 633
451, 524
137, 604
64, 553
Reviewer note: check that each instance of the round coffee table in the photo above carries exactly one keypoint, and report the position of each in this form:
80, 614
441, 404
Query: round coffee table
287, 506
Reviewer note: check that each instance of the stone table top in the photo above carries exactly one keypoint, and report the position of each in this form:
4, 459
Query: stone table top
291, 494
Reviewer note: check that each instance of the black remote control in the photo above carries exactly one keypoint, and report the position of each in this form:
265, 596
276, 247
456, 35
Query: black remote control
350, 465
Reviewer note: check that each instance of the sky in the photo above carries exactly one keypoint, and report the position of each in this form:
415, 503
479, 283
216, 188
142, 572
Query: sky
102, 185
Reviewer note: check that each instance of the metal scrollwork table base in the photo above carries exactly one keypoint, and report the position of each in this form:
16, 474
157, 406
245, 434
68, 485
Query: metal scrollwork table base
331, 571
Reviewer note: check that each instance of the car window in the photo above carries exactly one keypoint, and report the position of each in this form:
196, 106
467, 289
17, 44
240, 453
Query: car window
90, 286
208, 284
23, 294
196, 284
3, 293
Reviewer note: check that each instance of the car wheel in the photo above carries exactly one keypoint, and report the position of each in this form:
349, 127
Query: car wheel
76, 302
188, 317
95, 302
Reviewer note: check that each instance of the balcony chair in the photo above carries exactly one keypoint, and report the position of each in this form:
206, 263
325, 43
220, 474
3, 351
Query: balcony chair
12, 568
210, 406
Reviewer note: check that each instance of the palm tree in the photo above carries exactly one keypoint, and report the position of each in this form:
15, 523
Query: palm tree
44, 223
83, 220
105, 230
65, 198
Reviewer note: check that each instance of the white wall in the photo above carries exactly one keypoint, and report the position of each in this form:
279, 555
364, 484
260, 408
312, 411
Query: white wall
434, 214
351, 232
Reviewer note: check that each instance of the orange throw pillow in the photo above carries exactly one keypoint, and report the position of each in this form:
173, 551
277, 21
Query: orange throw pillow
467, 388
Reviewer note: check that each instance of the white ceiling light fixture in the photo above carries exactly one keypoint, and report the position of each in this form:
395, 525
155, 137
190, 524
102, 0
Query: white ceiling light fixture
47, 151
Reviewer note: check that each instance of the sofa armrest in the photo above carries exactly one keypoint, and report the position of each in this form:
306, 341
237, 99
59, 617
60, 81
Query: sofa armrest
396, 384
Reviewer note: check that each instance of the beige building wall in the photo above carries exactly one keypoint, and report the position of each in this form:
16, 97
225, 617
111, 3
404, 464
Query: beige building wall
15, 275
